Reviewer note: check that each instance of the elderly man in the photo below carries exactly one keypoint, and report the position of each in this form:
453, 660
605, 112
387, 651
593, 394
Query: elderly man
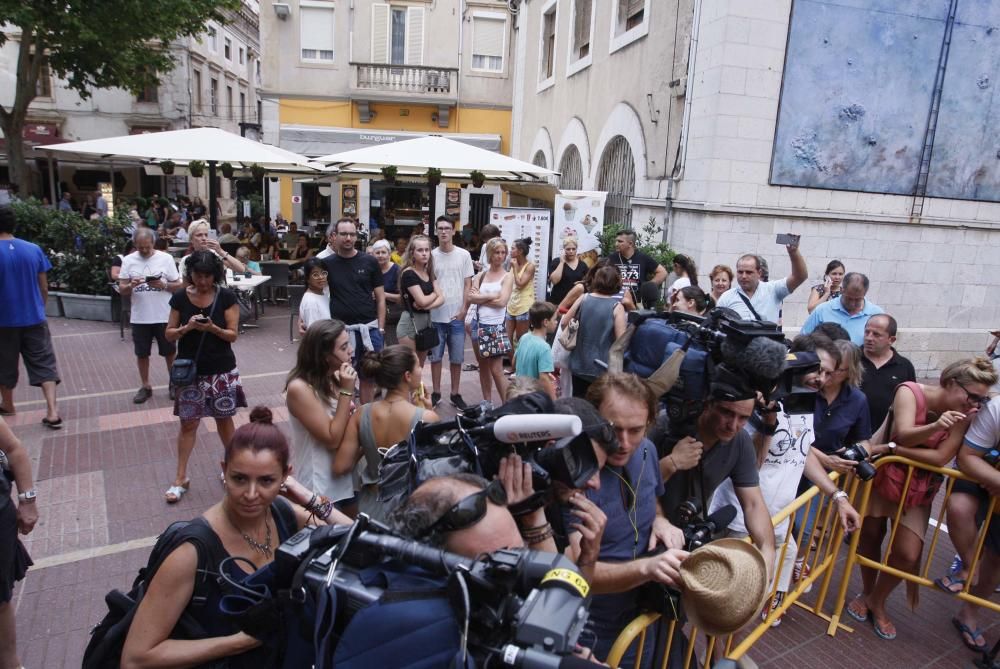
636, 267
756, 299
884, 367
331, 242
150, 277
851, 310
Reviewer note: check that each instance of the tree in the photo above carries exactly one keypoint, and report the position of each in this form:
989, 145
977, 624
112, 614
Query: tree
93, 44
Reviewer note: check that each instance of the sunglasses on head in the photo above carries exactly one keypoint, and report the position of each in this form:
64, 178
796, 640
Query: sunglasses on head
469, 510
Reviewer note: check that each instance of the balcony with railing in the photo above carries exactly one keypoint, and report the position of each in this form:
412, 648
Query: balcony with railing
387, 81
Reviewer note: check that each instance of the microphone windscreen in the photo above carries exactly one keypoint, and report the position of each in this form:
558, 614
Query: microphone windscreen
722, 516
762, 358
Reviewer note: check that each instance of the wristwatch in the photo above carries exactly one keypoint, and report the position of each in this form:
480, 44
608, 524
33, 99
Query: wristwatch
27, 495
892, 447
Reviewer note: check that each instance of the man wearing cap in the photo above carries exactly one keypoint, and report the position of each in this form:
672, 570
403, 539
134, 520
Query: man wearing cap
694, 467
630, 485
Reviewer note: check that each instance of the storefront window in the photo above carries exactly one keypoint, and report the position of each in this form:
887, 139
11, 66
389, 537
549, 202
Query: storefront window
316, 203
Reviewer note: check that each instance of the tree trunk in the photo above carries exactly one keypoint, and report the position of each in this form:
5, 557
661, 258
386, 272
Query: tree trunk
12, 120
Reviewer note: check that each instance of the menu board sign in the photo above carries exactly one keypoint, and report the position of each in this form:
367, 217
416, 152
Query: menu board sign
536, 224
580, 214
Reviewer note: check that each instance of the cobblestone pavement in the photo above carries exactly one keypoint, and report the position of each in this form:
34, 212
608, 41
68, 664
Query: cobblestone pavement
101, 481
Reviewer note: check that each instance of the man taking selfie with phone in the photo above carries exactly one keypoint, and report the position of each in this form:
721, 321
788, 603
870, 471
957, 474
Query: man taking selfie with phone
758, 300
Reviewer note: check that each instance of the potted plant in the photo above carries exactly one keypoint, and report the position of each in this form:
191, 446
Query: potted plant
227, 170
257, 171
196, 168
433, 176
167, 166
478, 178
389, 173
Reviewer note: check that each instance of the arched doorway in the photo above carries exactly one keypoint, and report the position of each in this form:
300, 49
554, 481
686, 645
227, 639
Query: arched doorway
571, 168
539, 159
616, 176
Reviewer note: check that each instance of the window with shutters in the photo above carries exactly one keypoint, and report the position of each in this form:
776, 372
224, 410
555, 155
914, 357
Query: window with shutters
316, 30
43, 87
547, 53
213, 39
488, 42
243, 106
213, 95
197, 91
227, 48
582, 37
148, 94
230, 105
630, 22
397, 34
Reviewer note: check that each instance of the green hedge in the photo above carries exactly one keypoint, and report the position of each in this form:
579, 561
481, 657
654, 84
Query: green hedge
81, 251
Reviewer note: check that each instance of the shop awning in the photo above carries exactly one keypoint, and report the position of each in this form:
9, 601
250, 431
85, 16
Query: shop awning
313, 141
456, 160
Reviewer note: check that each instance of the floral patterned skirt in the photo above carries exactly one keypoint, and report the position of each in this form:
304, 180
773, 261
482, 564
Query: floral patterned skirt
211, 396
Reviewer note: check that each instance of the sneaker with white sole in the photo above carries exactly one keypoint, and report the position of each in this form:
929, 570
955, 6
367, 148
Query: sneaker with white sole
801, 572
775, 603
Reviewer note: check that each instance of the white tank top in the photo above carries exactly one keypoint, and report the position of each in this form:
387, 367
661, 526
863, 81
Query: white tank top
491, 315
313, 463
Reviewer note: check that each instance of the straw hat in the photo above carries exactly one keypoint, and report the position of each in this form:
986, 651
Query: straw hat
723, 585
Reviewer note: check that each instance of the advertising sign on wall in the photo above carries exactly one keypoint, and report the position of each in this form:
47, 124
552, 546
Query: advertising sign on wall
536, 224
580, 214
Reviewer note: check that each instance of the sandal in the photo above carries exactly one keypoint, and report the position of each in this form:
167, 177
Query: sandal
950, 584
964, 629
52, 424
880, 632
4, 411
854, 614
177, 492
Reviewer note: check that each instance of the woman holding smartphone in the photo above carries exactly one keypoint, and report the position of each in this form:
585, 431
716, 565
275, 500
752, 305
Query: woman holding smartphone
385, 422
204, 321
831, 286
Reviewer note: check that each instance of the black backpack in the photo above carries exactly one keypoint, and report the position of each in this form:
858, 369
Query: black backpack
108, 638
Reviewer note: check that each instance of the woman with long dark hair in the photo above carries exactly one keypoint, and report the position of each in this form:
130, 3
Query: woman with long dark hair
831, 287
522, 294
319, 394
385, 422
261, 506
602, 321
686, 273
204, 321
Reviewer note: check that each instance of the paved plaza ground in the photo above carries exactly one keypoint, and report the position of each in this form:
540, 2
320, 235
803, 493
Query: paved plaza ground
101, 481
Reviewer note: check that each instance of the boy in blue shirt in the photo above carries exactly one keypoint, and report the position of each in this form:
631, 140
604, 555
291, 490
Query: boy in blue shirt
534, 355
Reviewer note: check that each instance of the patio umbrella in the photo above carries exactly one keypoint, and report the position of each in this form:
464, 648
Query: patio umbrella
456, 160
210, 145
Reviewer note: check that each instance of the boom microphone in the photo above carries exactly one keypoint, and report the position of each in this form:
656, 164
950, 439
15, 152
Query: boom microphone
538, 427
762, 358
720, 520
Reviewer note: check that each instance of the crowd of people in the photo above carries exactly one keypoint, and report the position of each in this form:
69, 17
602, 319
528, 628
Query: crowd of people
354, 393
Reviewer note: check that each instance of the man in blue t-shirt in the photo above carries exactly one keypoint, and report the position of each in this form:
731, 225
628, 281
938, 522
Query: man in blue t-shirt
24, 333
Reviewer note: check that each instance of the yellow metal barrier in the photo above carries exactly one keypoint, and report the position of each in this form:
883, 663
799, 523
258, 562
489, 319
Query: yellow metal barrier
883, 566
826, 535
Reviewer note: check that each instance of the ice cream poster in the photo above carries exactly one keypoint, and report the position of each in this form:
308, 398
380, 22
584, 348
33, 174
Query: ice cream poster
578, 213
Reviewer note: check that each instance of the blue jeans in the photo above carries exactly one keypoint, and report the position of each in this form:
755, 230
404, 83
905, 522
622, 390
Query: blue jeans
359, 348
452, 335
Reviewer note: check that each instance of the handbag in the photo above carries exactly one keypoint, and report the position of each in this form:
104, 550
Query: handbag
891, 478
184, 371
425, 339
568, 336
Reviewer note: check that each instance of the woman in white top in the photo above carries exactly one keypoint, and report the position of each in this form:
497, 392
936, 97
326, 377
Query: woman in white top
315, 304
198, 232
686, 273
319, 393
490, 292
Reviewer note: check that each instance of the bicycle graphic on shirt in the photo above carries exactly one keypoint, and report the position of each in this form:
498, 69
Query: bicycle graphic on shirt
796, 435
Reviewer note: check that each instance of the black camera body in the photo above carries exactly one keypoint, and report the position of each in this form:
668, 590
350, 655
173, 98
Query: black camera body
525, 608
856, 453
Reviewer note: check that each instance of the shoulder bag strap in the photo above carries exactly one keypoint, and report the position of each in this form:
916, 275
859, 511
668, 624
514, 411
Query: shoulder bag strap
211, 310
918, 394
749, 306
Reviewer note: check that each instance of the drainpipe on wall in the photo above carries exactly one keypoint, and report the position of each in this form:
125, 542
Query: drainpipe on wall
678, 172
458, 79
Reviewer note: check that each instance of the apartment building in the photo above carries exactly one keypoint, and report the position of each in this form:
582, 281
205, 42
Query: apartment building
340, 75
215, 83
865, 129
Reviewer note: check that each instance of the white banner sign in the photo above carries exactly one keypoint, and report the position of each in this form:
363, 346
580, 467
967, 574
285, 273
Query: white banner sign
517, 223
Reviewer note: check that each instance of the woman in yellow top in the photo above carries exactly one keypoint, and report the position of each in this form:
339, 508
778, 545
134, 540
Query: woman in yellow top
523, 295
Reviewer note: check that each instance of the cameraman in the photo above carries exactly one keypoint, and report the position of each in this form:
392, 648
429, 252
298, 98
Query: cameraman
630, 486
695, 466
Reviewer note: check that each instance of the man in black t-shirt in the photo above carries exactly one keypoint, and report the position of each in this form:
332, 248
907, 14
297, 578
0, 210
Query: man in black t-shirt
884, 367
356, 296
635, 266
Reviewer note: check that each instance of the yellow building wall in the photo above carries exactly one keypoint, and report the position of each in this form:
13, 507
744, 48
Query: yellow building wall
389, 116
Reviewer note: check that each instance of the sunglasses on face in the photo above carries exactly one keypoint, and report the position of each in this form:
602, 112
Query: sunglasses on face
978, 400
470, 510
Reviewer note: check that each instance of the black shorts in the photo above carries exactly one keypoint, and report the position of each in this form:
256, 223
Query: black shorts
142, 339
993, 532
34, 345
14, 559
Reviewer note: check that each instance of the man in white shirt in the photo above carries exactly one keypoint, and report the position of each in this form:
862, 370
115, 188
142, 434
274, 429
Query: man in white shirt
757, 300
331, 242
453, 270
101, 206
149, 277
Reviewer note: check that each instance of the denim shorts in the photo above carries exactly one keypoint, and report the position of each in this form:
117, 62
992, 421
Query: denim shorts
452, 335
522, 318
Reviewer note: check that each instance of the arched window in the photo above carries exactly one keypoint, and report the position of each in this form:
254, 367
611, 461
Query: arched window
616, 176
539, 159
571, 168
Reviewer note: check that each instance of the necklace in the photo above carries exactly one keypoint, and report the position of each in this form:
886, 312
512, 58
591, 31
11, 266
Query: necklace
262, 548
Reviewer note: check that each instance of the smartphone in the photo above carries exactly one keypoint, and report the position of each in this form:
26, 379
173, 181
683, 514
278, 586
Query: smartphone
785, 239
151, 278
202, 319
